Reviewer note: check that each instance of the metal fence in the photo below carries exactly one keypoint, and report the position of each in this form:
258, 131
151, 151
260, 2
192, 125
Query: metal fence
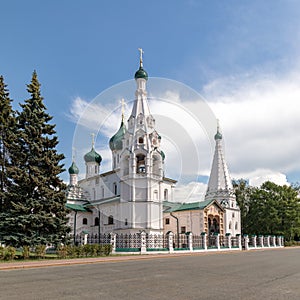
139, 242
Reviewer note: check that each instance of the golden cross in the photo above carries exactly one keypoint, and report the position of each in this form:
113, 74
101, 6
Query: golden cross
123, 108
141, 56
93, 139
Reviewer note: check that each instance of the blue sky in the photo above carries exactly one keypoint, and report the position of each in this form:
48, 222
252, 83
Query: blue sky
234, 53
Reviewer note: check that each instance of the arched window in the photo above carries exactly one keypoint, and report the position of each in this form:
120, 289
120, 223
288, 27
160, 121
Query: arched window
141, 140
230, 225
84, 221
165, 194
96, 221
115, 189
236, 225
155, 195
110, 220
140, 163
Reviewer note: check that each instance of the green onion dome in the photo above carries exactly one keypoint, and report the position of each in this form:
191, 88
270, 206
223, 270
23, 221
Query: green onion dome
73, 169
218, 136
93, 156
163, 156
116, 141
141, 73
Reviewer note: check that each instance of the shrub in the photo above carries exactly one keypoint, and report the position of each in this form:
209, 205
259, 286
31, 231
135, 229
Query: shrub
2, 251
9, 253
26, 252
40, 251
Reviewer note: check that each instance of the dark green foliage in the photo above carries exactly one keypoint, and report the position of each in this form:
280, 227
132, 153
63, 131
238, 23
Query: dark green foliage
270, 209
7, 128
37, 213
242, 192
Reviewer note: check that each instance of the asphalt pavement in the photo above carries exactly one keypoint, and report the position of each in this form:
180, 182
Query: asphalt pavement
257, 274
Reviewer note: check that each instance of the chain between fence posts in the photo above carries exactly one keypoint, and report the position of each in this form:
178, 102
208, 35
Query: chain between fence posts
113, 242
170, 236
204, 240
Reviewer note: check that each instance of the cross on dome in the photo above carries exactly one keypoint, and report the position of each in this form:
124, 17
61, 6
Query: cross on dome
123, 108
93, 139
141, 56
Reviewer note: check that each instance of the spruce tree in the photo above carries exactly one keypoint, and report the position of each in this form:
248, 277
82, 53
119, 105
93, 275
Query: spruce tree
38, 213
7, 127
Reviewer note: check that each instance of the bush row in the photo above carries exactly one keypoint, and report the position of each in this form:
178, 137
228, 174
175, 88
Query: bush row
65, 251
70, 251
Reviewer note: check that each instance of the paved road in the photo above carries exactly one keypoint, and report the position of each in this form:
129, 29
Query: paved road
267, 274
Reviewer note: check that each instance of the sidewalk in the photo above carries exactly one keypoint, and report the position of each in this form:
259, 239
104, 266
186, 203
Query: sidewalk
14, 265
81, 261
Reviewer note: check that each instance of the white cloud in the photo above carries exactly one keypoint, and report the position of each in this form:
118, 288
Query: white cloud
260, 121
191, 192
259, 118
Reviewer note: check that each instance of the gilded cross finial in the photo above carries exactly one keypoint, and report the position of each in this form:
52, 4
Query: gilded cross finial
123, 108
73, 154
93, 139
141, 56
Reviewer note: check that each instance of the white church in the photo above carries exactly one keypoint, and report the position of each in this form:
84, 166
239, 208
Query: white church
135, 195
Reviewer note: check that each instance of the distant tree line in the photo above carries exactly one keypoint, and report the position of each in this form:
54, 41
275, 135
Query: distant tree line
32, 196
269, 209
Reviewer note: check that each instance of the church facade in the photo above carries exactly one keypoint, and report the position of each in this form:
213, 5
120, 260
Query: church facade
135, 195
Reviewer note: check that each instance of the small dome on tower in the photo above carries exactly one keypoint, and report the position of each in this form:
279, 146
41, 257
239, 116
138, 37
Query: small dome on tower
218, 136
93, 156
141, 73
73, 169
115, 143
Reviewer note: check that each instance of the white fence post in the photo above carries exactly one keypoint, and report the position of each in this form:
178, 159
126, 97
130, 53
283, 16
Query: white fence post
170, 235
204, 240
113, 242
190, 240
143, 243
217, 240
246, 241
239, 241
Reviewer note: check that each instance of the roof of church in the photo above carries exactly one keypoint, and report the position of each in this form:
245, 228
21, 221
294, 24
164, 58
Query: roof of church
219, 179
93, 156
73, 169
173, 206
115, 143
141, 73
76, 207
